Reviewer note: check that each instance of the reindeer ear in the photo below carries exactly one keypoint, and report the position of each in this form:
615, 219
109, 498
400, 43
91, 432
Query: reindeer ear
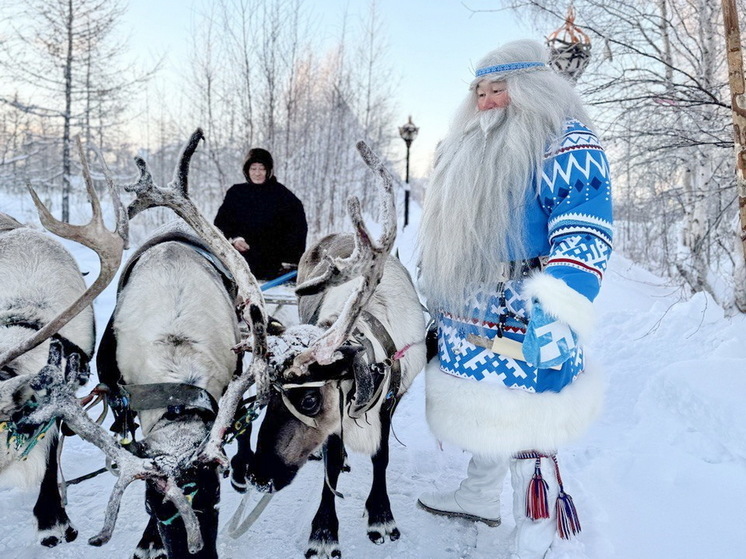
316, 285
368, 385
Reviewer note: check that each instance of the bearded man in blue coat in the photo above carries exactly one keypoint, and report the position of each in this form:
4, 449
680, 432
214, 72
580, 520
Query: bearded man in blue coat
515, 239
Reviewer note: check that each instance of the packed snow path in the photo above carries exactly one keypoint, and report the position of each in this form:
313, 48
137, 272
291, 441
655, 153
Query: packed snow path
659, 476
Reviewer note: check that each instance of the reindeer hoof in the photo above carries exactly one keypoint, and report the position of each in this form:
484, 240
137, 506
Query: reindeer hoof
377, 533
238, 486
150, 553
376, 537
238, 476
323, 550
50, 541
57, 535
70, 534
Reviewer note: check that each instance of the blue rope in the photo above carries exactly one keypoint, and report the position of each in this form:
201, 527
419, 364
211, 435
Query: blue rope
279, 281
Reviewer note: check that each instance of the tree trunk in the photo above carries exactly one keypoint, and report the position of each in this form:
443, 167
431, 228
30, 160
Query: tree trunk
66, 186
738, 104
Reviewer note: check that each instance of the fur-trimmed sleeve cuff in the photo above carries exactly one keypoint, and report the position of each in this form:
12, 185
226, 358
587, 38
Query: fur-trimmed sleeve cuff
562, 302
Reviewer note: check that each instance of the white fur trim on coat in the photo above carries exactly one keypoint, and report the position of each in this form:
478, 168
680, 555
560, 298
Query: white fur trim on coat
562, 302
494, 420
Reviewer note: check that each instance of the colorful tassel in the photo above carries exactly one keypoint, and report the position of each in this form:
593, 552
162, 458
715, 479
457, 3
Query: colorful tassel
568, 523
536, 496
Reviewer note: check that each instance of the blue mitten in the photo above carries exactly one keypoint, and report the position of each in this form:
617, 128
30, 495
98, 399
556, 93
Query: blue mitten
548, 342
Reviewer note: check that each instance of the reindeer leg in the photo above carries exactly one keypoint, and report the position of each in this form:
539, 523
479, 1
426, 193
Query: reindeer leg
380, 519
150, 545
54, 525
171, 526
323, 542
241, 462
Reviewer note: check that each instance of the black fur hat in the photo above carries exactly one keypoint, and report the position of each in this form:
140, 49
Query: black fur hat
258, 155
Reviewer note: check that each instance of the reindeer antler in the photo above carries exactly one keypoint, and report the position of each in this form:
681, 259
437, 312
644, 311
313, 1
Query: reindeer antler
60, 401
367, 261
108, 245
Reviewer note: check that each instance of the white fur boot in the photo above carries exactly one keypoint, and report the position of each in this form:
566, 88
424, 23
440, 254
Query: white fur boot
478, 496
533, 537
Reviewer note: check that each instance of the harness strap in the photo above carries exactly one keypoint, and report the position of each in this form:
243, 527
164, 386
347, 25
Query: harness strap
36, 325
186, 239
167, 395
389, 347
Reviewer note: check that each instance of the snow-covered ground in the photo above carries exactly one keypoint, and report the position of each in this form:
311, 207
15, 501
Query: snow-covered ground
659, 476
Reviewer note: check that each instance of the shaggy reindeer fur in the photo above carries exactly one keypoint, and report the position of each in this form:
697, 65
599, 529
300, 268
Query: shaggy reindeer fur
174, 322
39, 279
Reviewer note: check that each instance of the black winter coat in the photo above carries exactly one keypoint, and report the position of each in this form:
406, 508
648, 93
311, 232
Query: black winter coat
272, 221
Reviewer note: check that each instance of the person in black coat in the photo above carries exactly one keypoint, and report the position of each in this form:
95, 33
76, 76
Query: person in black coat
262, 219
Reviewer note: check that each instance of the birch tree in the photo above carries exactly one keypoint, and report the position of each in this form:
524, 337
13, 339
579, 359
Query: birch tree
63, 57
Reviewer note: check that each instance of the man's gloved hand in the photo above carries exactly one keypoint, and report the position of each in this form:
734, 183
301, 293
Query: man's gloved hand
548, 342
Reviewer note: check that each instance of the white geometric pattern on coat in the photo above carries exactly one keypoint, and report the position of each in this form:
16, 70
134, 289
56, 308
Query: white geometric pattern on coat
461, 358
591, 256
564, 172
551, 338
579, 223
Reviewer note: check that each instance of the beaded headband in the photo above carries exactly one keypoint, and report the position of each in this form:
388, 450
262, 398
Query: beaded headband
511, 67
503, 71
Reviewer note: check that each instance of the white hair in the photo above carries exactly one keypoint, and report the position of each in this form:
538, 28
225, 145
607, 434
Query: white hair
486, 166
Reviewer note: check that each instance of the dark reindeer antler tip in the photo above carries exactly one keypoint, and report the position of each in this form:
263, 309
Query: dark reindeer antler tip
194, 139
142, 166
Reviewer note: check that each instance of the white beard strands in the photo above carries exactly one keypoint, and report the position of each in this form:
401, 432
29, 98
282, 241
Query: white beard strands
473, 218
472, 207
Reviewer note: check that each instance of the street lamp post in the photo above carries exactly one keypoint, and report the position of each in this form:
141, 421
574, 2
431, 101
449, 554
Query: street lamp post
408, 133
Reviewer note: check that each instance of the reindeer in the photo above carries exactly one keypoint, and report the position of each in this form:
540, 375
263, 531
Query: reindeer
169, 347
337, 379
43, 294
168, 353
164, 467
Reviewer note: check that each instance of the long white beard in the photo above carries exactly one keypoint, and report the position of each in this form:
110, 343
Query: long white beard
473, 218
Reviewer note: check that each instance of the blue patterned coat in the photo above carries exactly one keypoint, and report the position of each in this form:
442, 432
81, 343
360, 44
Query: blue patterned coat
568, 225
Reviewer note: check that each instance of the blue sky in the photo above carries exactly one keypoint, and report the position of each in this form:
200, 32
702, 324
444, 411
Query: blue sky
434, 43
